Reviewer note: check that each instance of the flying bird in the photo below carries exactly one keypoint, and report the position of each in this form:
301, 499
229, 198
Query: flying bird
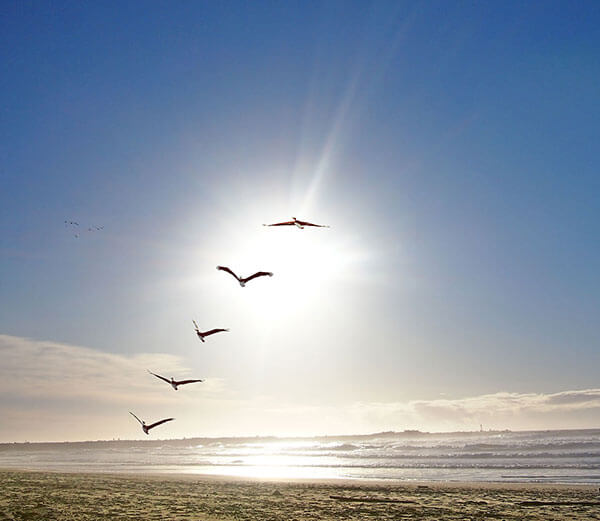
298, 223
202, 334
175, 383
145, 427
247, 279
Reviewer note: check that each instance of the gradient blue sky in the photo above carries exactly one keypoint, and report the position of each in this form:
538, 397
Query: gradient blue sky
452, 147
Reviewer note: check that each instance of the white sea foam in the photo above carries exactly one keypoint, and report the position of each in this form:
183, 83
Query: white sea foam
548, 456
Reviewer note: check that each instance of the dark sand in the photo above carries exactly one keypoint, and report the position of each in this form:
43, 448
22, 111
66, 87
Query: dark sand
50, 496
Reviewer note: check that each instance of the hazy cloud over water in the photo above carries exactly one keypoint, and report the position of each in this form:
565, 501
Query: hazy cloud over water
67, 392
566, 409
47, 370
54, 391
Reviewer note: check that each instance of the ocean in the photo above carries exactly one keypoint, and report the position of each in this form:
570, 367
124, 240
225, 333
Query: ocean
569, 456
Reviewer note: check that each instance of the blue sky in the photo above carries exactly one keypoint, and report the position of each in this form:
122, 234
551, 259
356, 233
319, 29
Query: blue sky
451, 147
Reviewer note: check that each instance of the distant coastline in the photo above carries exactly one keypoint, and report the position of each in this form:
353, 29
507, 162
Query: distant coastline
321, 438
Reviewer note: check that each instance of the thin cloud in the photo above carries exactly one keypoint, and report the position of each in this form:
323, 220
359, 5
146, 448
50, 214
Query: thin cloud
58, 391
45, 370
55, 391
565, 409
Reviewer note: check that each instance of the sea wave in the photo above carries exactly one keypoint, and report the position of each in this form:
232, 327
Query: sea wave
524, 456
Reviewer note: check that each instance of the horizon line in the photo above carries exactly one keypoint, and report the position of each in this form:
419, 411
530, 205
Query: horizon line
305, 437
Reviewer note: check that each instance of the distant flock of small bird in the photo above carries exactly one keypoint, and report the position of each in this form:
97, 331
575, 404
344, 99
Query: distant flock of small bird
77, 230
203, 334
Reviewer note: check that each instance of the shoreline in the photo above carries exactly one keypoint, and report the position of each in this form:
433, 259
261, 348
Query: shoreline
342, 482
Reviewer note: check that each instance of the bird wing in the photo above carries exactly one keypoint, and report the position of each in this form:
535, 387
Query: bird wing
183, 382
141, 422
257, 274
286, 223
196, 326
213, 331
225, 268
305, 223
161, 377
156, 424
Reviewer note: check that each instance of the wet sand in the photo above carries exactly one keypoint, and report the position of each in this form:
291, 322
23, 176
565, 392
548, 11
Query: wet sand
47, 496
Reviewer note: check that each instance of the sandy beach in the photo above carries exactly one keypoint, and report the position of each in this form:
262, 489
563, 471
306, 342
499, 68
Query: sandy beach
26, 495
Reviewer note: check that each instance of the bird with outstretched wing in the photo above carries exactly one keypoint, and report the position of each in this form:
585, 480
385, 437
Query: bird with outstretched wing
298, 223
202, 334
146, 428
174, 383
243, 281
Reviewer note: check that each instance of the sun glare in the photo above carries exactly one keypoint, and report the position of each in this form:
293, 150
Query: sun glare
306, 263
315, 271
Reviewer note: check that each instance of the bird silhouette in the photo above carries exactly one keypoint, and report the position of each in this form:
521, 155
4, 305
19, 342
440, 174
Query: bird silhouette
243, 281
296, 222
147, 428
202, 334
174, 383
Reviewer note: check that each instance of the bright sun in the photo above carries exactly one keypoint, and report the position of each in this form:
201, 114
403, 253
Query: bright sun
313, 268
305, 263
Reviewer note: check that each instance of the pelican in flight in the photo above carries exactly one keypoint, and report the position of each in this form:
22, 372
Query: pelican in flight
145, 427
247, 279
298, 223
202, 334
175, 383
